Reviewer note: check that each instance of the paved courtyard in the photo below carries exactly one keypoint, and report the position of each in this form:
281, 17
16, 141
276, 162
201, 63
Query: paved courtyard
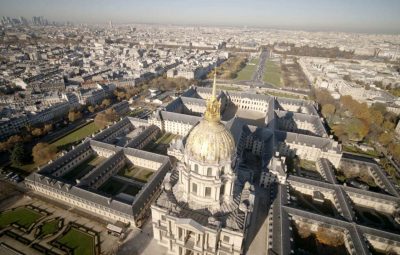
141, 242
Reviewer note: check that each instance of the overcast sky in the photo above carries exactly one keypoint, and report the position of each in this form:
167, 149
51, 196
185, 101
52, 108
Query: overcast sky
382, 16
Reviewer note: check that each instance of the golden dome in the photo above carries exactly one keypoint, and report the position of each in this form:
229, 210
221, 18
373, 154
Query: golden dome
210, 141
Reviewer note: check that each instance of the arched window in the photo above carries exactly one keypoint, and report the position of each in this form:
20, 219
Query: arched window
209, 171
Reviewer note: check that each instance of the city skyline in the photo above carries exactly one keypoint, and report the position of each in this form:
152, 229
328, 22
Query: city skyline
354, 16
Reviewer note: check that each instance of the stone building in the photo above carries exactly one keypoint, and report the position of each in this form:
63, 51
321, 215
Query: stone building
203, 208
71, 180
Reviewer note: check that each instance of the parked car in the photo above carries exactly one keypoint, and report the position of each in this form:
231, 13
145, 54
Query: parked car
9, 175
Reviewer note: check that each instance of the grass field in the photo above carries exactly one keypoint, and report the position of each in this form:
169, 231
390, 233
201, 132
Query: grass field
76, 136
21, 216
283, 94
136, 112
222, 87
161, 144
49, 227
247, 72
273, 73
28, 168
137, 173
83, 168
354, 149
308, 165
81, 242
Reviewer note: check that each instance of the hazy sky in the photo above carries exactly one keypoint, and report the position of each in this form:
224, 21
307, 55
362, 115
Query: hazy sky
381, 16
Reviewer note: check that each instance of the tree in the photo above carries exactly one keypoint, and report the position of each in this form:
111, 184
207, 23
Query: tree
7, 145
356, 129
340, 131
394, 149
15, 139
43, 153
47, 128
328, 110
102, 119
37, 132
106, 102
385, 138
347, 102
18, 154
304, 230
4, 146
323, 97
329, 237
91, 108
74, 115
377, 117
387, 125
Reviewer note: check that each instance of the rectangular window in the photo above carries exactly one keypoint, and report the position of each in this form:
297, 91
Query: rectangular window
194, 187
209, 171
208, 192
226, 239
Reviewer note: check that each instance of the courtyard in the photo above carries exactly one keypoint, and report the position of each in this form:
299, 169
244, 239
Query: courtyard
306, 202
136, 173
160, 146
112, 187
83, 168
373, 218
323, 241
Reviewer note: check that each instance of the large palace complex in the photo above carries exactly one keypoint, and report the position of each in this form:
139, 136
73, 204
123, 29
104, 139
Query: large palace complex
201, 192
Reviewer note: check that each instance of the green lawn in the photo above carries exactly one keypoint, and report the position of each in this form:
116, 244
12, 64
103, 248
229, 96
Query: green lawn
283, 94
247, 72
222, 87
308, 165
50, 227
135, 112
161, 144
354, 149
137, 173
81, 242
166, 138
28, 168
83, 168
76, 136
21, 216
273, 73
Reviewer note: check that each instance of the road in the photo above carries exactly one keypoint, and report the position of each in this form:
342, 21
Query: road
258, 75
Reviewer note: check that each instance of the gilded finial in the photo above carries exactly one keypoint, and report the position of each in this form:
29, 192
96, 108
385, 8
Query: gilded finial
214, 83
213, 105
